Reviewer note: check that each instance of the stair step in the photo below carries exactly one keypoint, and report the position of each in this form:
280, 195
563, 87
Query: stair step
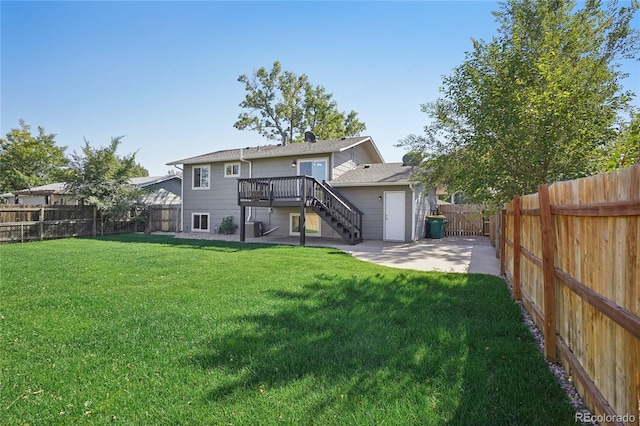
337, 223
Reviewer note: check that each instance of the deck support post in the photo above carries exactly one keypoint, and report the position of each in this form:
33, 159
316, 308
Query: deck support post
242, 224
303, 219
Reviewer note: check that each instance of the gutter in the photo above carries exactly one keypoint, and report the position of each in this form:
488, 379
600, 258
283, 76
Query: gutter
181, 199
355, 184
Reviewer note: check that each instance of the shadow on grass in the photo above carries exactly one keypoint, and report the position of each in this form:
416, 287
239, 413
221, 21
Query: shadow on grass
437, 347
169, 240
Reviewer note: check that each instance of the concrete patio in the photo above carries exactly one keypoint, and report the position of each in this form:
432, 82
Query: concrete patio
449, 254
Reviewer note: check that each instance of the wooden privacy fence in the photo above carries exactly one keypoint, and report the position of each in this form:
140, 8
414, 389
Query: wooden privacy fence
464, 219
165, 218
35, 223
571, 254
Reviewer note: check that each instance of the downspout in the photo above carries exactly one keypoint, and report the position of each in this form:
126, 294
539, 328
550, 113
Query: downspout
248, 218
413, 212
181, 200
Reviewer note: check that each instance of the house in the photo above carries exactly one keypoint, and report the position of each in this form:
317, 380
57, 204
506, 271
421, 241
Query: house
326, 188
44, 195
159, 190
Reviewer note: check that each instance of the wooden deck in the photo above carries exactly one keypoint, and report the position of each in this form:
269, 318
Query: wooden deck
302, 191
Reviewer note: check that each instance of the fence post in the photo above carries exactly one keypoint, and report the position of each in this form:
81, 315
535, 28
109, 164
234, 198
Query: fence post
516, 247
503, 236
548, 271
41, 224
95, 224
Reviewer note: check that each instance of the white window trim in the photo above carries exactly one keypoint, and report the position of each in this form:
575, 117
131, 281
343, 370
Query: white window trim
327, 172
200, 188
208, 215
235, 163
292, 215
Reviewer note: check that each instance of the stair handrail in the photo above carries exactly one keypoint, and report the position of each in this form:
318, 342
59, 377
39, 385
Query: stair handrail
332, 190
352, 214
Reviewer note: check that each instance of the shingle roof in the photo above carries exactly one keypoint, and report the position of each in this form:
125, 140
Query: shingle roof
367, 174
271, 151
58, 187
51, 188
161, 196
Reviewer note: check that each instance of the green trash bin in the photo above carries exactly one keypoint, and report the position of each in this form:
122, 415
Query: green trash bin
436, 226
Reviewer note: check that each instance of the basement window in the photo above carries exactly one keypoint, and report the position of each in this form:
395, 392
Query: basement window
200, 222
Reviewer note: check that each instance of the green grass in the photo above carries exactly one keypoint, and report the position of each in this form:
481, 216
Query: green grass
140, 329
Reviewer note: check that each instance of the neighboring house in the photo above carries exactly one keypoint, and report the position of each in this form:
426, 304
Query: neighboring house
44, 195
159, 190
333, 189
6, 198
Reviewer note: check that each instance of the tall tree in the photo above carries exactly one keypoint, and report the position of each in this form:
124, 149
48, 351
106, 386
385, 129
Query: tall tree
284, 105
624, 150
101, 178
535, 105
30, 160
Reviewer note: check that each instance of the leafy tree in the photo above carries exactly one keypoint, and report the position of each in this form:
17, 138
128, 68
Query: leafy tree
101, 178
282, 104
624, 150
30, 160
139, 170
535, 105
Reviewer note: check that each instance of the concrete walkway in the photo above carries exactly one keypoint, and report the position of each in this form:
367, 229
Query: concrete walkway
450, 254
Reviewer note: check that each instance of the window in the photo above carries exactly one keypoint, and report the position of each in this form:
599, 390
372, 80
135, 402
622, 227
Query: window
200, 177
200, 222
231, 170
313, 167
312, 224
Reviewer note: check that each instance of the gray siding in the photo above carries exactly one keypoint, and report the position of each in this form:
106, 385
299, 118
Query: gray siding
220, 200
422, 208
367, 200
173, 185
348, 160
279, 217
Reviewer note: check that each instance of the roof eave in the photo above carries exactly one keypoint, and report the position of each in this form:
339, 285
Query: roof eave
369, 139
361, 184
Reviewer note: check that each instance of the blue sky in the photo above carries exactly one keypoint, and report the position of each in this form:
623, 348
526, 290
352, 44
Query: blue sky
164, 74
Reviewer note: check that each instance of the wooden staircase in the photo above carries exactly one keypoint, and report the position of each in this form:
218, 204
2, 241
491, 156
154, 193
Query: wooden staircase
338, 212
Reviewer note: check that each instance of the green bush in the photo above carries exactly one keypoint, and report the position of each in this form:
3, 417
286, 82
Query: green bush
227, 226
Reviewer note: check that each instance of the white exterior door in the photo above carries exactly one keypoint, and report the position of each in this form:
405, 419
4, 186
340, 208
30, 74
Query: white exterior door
394, 216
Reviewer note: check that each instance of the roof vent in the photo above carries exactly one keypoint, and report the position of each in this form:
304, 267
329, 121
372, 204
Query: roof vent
366, 166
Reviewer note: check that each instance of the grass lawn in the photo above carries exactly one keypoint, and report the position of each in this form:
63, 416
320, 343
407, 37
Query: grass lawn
139, 329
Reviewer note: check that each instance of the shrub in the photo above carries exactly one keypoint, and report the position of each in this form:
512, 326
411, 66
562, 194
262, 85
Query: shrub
227, 226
